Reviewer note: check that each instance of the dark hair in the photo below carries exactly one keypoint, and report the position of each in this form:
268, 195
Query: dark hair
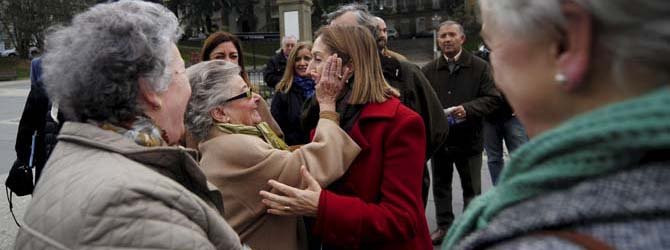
220, 37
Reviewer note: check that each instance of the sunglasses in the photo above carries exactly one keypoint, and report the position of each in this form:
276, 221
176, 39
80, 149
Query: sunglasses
247, 94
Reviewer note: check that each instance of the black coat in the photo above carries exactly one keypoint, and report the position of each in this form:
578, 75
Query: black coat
470, 85
286, 109
274, 70
417, 94
36, 120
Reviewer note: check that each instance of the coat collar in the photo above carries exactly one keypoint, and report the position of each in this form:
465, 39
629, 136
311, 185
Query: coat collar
464, 61
177, 163
373, 111
385, 109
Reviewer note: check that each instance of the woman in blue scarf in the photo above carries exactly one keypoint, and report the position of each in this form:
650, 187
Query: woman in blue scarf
294, 88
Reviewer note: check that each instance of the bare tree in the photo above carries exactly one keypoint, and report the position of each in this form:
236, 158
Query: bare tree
25, 21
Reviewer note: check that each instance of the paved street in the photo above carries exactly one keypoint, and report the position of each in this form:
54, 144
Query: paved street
12, 99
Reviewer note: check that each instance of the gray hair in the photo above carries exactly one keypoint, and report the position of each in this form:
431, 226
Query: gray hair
210, 87
363, 17
286, 38
629, 31
92, 67
451, 22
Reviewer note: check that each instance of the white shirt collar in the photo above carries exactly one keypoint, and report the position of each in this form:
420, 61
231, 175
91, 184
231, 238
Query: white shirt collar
456, 57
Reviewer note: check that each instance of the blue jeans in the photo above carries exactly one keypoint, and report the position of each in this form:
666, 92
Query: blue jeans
512, 132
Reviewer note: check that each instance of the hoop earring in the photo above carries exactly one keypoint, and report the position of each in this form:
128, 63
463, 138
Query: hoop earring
560, 79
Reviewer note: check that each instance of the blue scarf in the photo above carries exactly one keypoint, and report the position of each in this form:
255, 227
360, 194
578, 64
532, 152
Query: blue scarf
306, 84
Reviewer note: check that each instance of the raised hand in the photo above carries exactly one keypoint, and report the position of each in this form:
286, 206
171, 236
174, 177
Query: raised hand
331, 82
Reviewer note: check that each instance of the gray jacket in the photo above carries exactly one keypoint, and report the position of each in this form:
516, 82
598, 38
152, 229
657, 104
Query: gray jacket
626, 210
100, 190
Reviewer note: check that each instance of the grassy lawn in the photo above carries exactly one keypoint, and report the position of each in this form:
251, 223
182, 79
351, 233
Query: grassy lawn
20, 66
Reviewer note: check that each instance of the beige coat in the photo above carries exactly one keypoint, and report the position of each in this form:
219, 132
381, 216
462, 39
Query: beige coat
100, 190
241, 165
266, 116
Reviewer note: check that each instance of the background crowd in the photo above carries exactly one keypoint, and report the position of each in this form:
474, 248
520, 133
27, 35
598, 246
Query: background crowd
152, 154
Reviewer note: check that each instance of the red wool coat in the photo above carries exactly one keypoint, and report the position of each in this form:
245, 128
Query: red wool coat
377, 203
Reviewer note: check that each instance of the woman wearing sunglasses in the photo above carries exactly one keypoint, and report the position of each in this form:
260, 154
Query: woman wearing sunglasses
240, 153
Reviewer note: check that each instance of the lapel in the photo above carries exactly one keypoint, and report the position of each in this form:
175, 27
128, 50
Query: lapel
465, 61
371, 112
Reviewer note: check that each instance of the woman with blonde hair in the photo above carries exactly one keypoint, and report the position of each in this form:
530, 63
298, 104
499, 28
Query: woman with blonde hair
377, 204
240, 153
295, 87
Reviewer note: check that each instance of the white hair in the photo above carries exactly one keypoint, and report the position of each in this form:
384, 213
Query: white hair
210, 87
92, 66
629, 31
360, 11
451, 22
288, 37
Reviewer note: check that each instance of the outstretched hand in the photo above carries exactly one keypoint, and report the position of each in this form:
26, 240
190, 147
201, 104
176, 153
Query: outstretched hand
297, 202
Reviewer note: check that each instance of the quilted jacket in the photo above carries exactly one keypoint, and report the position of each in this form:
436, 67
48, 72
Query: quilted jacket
100, 190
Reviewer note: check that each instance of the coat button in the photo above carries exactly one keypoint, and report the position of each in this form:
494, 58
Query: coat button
449, 92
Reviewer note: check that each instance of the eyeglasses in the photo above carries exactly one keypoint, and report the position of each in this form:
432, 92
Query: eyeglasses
247, 94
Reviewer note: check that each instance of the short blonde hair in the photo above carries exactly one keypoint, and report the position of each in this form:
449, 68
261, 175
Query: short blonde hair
356, 46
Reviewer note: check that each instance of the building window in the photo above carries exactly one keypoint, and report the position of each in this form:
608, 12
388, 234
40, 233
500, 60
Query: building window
436, 4
419, 5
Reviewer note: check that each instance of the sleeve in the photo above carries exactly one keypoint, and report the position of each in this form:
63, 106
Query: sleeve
141, 219
430, 108
32, 118
266, 116
310, 115
350, 221
327, 158
488, 99
278, 110
270, 74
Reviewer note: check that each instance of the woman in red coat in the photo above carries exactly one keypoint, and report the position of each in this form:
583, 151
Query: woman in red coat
377, 203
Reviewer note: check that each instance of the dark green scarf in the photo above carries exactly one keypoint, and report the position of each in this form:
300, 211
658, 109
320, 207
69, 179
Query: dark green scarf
606, 140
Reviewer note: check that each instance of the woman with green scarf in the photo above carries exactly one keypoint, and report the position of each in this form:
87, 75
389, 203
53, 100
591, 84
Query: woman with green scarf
588, 78
240, 153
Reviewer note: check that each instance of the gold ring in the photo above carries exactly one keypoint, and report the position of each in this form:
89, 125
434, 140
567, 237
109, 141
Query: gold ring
339, 77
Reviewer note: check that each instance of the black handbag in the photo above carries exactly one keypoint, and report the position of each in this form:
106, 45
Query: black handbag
20, 179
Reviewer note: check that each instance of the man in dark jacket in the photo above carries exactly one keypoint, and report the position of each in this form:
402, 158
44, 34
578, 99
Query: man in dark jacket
274, 70
464, 85
500, 126
415, 90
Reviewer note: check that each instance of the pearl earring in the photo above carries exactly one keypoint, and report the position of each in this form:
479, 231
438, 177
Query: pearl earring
560, 79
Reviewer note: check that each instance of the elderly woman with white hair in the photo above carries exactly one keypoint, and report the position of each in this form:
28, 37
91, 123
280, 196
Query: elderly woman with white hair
589, 80
115, 178
240, 153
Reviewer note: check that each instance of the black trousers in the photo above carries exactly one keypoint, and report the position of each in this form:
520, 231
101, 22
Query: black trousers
469, 169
